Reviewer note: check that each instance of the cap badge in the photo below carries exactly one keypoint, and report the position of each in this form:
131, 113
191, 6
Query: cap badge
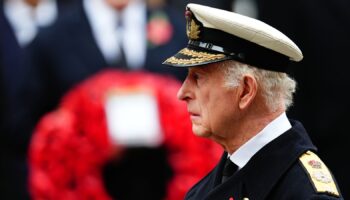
192, 28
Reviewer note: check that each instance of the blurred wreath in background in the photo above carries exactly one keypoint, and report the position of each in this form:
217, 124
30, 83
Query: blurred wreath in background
72, 145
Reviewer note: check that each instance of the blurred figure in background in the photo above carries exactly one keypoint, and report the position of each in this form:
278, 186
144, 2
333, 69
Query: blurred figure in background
20, 21
27, 16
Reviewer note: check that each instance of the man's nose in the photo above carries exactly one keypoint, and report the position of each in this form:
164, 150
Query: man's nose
183, 93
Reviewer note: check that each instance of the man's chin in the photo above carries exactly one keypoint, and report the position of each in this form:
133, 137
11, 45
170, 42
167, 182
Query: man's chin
200, 131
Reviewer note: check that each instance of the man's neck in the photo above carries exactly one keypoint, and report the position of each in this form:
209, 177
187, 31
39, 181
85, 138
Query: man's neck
250, 126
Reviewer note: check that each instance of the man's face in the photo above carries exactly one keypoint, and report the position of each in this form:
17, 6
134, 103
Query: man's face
212, 106
118, 4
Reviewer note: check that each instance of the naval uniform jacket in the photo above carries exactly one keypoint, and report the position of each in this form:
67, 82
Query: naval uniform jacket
274, 172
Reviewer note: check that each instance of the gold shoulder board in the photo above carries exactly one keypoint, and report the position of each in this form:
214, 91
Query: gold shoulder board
320, 175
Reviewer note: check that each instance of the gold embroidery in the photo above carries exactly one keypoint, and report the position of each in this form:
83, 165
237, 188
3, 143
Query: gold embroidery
197, 57
184, 61
192, 30
187, 61
200, 54
320, 175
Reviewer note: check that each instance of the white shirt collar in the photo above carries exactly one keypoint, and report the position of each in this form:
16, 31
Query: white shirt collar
25, 19
132, 37
274, 129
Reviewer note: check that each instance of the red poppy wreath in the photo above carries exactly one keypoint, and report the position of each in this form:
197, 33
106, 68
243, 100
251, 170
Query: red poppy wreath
71, 144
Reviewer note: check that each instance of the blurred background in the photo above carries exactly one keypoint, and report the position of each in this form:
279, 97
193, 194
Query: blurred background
70, 54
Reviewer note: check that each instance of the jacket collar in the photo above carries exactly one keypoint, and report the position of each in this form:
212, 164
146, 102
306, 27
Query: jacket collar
275, 158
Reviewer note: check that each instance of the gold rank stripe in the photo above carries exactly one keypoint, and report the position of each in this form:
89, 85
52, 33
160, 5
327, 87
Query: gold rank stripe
320, 175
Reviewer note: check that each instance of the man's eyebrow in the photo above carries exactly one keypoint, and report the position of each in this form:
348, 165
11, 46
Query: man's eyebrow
201, 69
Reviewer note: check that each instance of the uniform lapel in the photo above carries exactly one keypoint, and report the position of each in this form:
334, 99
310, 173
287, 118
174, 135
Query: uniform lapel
218, 170
203, 188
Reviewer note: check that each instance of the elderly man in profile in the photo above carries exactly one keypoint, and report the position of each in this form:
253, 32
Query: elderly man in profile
237, 92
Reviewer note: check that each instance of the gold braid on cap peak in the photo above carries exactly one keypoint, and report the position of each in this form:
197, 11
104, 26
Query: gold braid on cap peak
200, 54
197, 57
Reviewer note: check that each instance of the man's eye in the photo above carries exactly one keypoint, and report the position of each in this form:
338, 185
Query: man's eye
195, 76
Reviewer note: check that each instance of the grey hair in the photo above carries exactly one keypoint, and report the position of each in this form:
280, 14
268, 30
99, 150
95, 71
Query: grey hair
277, 88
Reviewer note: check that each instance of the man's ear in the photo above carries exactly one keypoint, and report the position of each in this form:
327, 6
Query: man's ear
249, 91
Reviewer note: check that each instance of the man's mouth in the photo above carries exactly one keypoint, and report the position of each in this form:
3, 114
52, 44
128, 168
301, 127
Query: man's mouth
194, 116
193, 113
